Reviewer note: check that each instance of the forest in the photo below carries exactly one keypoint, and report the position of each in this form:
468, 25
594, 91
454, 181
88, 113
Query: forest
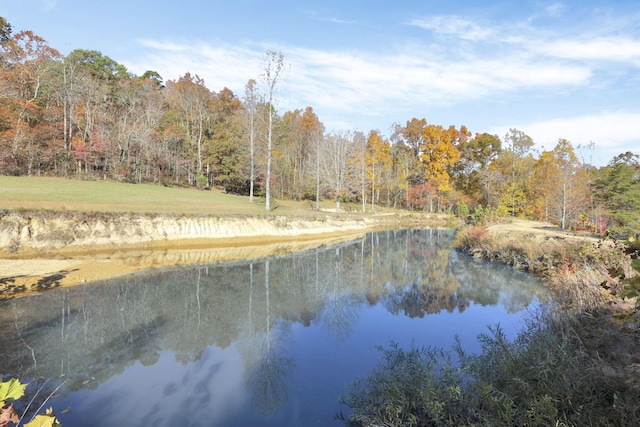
85, 116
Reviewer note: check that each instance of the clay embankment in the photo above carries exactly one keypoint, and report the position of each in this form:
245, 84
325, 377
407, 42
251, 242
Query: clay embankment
38, 252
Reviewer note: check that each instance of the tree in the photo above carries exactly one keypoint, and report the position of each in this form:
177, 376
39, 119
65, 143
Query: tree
380, 162
225, 157
273, 68
411, 136
5, 31
562, 182
337, 164
27, 62
618, 188
514, 166
192, 99
251, 126
470, 172
312, 131
439, 153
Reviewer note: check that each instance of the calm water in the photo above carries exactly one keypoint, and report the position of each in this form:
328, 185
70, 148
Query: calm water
265, 342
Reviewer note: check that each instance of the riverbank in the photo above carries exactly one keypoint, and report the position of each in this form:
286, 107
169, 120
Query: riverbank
598, 318
41, 250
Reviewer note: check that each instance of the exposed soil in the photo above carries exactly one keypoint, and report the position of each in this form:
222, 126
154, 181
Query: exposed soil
33, 271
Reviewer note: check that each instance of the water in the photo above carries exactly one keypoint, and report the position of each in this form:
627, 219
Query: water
263, 342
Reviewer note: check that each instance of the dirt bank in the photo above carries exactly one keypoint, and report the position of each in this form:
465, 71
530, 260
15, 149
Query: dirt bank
39, 250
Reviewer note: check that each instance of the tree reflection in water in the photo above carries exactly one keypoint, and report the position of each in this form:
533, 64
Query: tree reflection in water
95, 332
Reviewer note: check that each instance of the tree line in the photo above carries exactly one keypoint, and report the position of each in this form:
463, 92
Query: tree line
86, 116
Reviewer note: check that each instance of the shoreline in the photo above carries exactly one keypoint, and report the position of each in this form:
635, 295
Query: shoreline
41, 251
32, 271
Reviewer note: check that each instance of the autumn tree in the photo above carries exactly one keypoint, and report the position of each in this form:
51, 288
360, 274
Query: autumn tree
561, 183
439, 154
27, 62
399, 182
380, 162
192, 99
136, 114
470, 173
226, 159
312, 131
511, 171
411, 136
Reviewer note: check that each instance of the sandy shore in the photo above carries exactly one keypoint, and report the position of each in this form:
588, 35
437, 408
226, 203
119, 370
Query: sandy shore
31, 272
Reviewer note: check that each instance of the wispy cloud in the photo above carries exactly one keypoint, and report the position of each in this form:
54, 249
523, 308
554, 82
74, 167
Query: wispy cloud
454, 26
339, 21
608, 130
364, 89
318, 17
49, 4
614, 49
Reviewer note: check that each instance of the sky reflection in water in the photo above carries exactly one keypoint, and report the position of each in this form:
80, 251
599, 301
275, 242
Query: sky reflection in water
266, 342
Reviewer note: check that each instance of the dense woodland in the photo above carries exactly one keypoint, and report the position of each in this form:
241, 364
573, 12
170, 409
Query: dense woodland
86, 116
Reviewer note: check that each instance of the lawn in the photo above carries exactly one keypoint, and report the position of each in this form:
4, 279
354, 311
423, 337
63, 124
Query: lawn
107, 196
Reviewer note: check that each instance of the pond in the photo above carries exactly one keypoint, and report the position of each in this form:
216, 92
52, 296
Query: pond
261, 342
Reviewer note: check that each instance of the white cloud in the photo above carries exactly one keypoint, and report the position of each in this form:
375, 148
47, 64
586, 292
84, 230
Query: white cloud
618, 49
453, 26
611, 132
219, 65
365, 83
364, 89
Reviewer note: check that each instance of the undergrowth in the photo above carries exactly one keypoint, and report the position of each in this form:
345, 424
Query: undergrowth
545, 377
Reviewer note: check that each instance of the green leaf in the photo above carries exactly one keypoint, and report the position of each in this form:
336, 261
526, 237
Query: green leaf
11, 390
48, 419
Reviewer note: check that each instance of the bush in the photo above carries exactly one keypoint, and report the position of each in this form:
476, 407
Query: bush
484, 216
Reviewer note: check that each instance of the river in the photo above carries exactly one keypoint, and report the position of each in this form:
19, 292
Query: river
259, 342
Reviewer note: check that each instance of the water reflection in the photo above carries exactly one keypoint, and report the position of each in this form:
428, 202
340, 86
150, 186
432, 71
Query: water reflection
231, 343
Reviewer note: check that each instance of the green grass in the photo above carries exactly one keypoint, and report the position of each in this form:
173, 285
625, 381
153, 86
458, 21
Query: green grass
107, 196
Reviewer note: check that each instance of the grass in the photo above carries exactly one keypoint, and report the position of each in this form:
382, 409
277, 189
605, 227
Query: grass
108, 196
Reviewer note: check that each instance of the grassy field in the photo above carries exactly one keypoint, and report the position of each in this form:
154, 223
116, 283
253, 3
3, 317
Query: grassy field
106, 196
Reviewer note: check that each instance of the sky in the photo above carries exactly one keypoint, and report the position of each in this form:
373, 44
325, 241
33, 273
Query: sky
551, 69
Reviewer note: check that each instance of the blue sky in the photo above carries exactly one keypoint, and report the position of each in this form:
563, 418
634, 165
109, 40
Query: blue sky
552, 69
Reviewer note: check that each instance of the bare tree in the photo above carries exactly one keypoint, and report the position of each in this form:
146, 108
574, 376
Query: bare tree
274, 65
338, 164
251, 107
